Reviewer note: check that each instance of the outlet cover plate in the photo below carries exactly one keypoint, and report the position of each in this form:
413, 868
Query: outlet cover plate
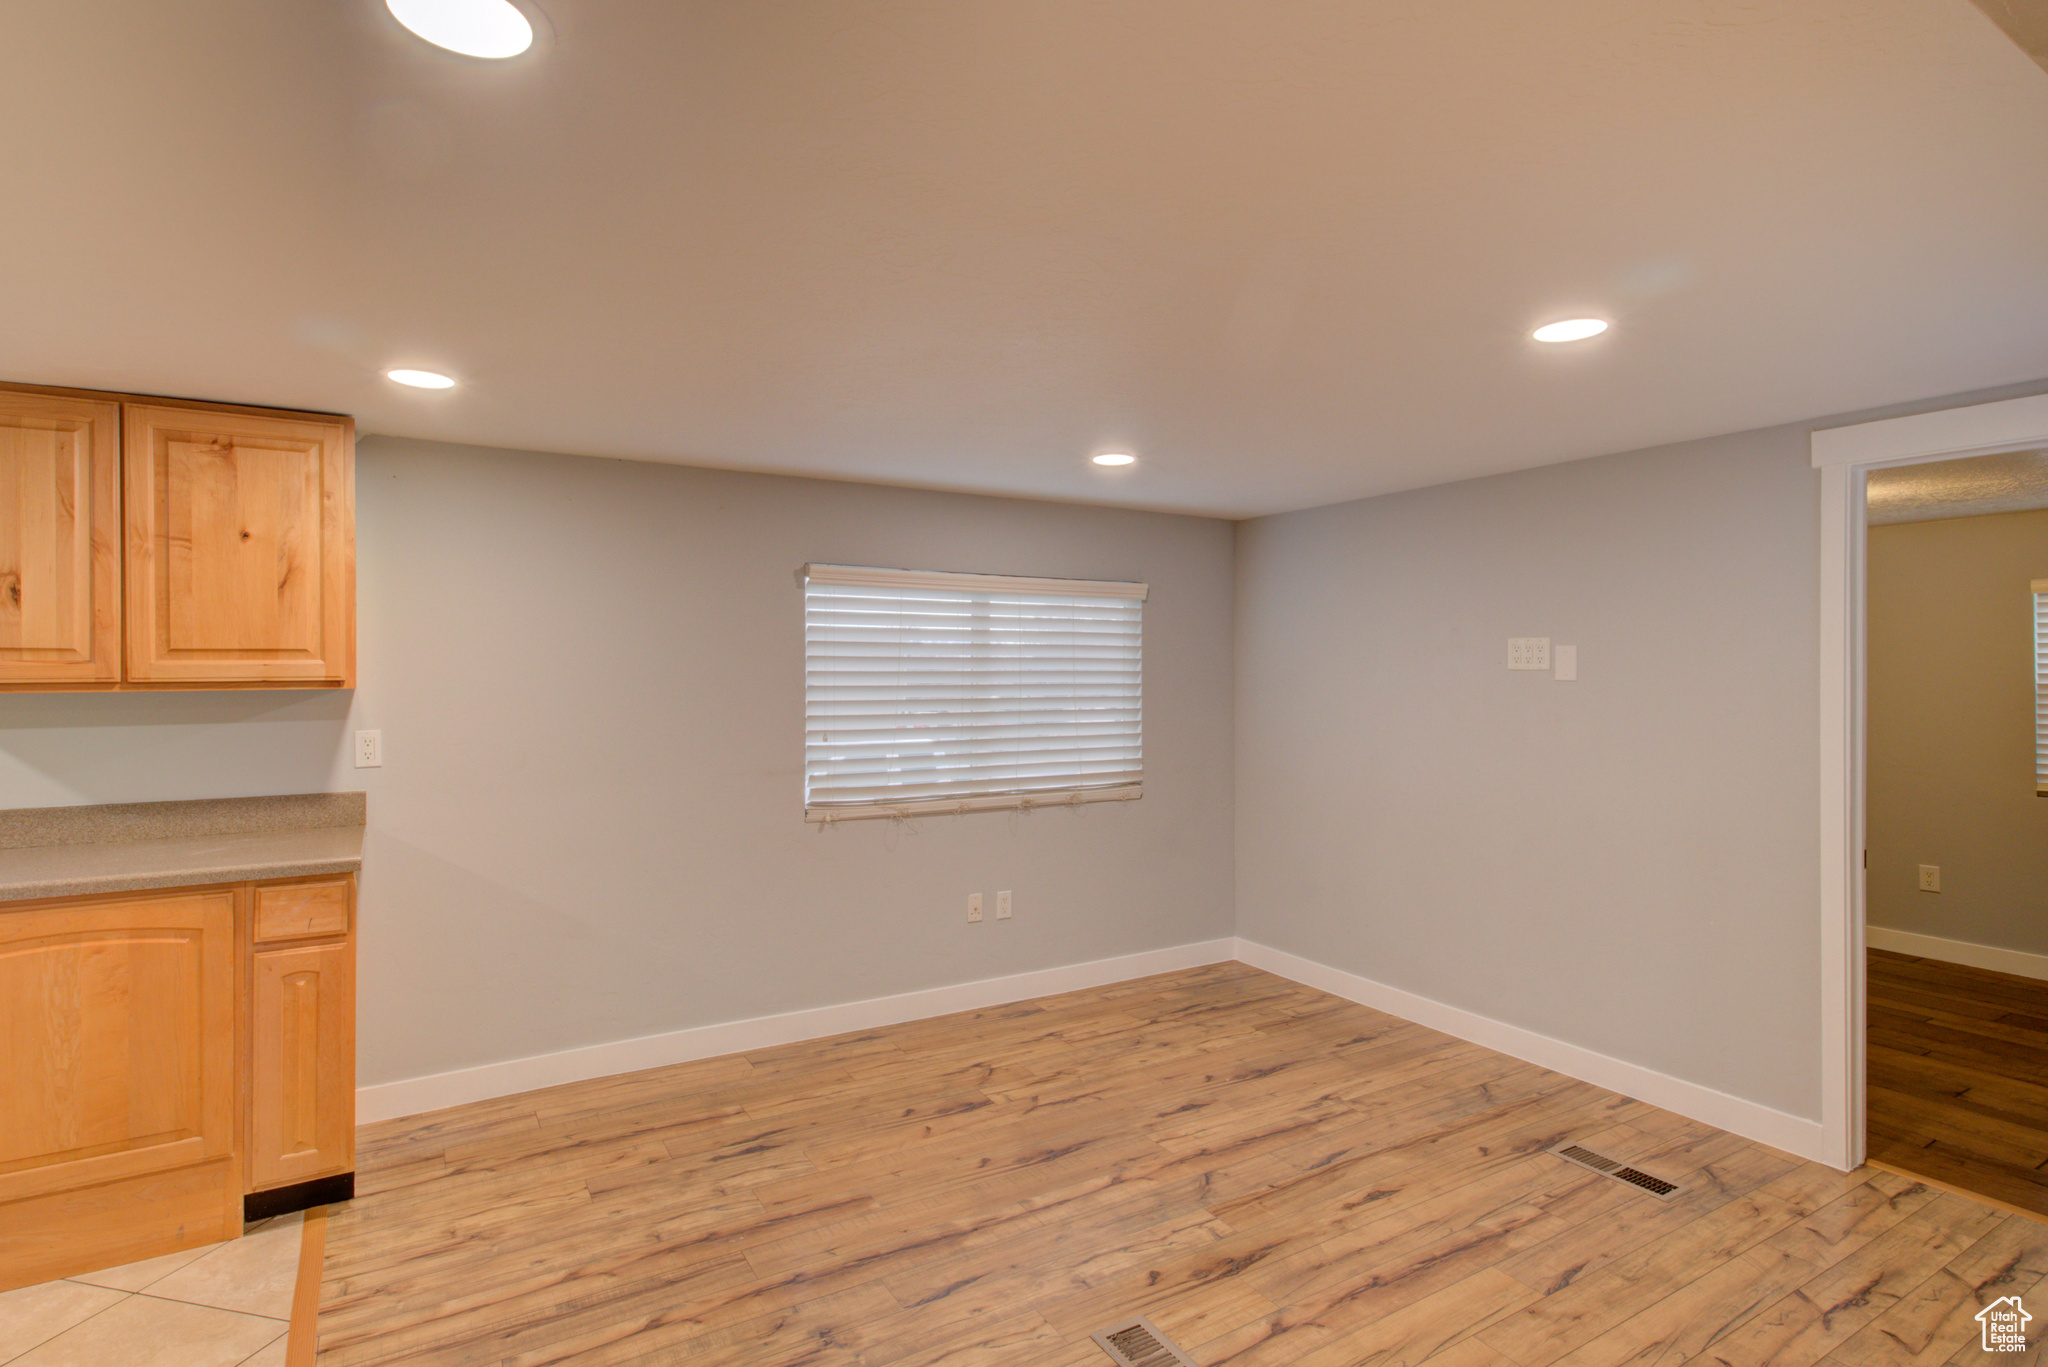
369, 749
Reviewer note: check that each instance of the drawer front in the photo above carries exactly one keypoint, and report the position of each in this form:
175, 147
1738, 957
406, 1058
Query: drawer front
300, 911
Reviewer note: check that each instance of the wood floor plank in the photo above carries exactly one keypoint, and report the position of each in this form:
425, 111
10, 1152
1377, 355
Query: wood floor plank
1986, 1133
1956, 1084
2023, 1188
1279, 1178
1825, 1312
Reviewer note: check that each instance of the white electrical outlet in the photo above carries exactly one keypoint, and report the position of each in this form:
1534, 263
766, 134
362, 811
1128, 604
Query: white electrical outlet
1566, 662
369, 749
1528, 652
1930, 878
1003, 905
974, 906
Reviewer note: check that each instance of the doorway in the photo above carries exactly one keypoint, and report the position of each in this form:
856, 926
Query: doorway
1956, 876
1845, 457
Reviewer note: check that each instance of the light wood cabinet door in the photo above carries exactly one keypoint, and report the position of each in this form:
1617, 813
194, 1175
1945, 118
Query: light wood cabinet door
117, 1040
240, 548
302, 1095
60, 512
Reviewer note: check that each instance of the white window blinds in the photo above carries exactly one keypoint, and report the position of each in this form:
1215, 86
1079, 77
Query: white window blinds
947, 692
2041, 687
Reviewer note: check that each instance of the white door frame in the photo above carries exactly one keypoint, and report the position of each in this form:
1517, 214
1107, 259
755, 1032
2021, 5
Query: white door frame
1844, 456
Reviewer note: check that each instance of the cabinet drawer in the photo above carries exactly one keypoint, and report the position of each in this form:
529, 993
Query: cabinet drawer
299, 911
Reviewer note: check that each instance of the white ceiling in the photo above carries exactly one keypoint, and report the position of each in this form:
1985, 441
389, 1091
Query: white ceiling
1288, 252
2011, 483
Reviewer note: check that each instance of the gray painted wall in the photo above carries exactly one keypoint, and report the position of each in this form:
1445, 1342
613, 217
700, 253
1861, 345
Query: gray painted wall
1628, 862
1951, 730
589, 825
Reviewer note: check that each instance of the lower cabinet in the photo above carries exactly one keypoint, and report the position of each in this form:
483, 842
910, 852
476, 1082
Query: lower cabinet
162, 1068
303, 1077
117, 1082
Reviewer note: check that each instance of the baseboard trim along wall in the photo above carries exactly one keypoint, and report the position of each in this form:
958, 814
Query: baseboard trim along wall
1998, 960
1751, 1120
412, 1096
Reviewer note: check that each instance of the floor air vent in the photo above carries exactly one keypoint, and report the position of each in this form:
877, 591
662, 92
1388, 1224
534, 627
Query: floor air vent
1607, 1167
1138, 1343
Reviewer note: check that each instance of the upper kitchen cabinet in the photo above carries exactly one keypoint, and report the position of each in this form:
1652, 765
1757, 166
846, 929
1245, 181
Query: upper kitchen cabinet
60, 515
155, 543
240, 548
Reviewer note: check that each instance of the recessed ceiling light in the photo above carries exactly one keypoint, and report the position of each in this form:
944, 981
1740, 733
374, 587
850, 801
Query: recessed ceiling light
1115, 458
474, 28
420, 379
1570, 330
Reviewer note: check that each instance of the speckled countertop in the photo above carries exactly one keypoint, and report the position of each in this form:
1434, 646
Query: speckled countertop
122, 847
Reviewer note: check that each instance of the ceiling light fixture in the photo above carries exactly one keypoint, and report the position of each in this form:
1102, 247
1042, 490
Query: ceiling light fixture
420, 379
474, 28
1115, 458
1570, 330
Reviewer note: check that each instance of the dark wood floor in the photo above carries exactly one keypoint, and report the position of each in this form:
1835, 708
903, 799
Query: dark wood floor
1277, 1177
1959, 1076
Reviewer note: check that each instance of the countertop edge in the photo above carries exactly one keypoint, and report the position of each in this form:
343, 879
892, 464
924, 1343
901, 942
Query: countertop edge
178, 878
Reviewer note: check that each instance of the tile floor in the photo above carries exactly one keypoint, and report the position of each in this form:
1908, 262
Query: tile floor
224, 1305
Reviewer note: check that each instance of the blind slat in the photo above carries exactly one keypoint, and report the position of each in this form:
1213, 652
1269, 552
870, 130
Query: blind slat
962, 687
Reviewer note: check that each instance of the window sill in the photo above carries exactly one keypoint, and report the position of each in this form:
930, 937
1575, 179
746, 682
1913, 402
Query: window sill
943, 806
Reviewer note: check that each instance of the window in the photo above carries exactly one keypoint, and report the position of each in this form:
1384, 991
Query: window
2041, 687
952, 692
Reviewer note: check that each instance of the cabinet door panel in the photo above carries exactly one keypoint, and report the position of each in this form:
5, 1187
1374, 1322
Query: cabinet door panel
241, 556
303, 1092
119, 1021
60, 589
242, 524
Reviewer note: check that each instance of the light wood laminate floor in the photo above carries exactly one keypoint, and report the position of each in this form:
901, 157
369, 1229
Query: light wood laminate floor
1959, 1076
1274, 1175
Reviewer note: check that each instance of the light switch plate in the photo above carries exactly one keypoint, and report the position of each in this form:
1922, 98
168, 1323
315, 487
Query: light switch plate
1528, 652
1565, 663
369, 749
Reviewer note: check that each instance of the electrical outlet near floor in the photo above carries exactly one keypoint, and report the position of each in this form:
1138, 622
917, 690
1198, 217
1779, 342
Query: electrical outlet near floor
1930, 878
1003, 905
1528, 652
974, 907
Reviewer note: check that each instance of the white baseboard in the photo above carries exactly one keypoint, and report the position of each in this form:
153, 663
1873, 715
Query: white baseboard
1750, 1119
1958, 952
411, 1096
